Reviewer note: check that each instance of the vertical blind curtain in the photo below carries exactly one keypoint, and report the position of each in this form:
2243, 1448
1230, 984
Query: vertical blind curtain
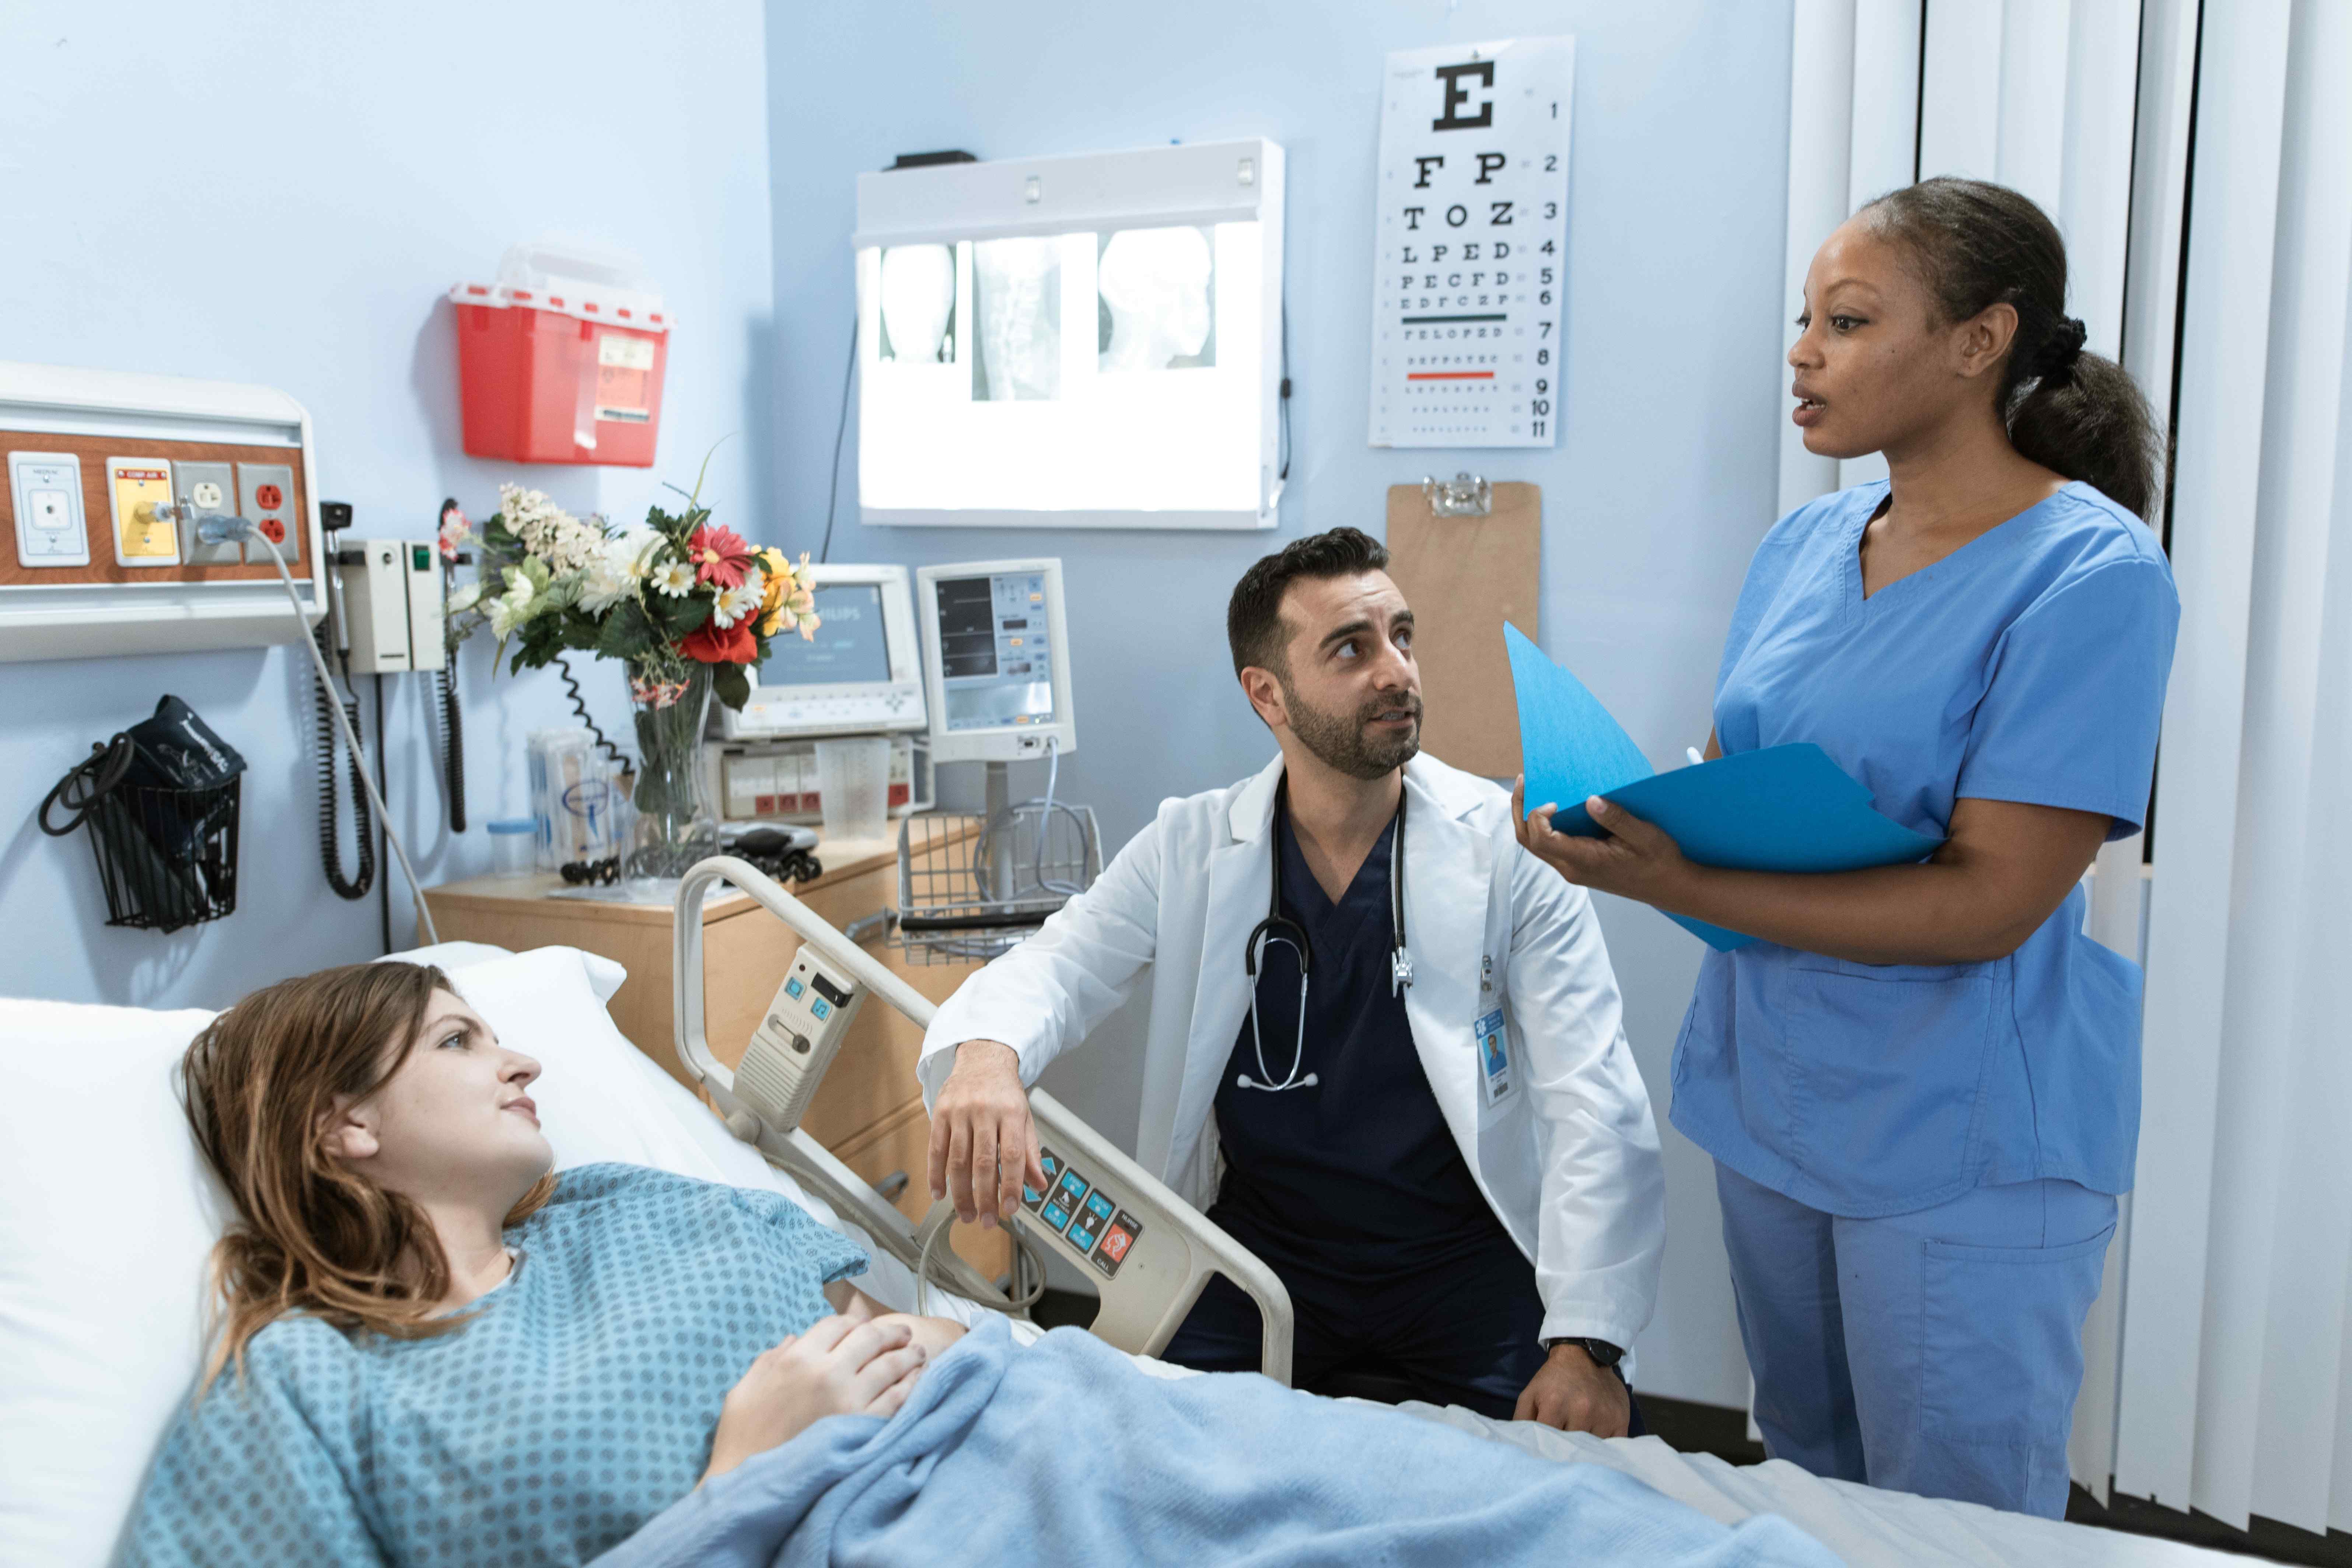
2232, 1397
2199, 161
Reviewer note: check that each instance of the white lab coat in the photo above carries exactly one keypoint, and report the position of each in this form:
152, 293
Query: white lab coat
1569, 1159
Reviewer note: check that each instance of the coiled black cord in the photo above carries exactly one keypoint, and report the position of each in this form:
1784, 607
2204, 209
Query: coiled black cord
331, 853
453, 743
580, 706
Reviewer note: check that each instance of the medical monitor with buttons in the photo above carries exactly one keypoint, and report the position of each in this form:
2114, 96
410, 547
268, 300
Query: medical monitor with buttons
860, 674
996, 660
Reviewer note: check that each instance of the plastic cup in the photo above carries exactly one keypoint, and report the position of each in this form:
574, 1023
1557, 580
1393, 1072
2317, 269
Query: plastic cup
513, 843
853, 784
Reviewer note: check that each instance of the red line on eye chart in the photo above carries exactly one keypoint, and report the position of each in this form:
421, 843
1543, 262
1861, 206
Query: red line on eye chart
1450, 375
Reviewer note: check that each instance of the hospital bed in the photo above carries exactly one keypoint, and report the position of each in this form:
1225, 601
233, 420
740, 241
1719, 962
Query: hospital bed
107, 1214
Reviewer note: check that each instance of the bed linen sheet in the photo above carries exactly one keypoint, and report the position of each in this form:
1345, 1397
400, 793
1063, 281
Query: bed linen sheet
1867, 1527
1061, 1453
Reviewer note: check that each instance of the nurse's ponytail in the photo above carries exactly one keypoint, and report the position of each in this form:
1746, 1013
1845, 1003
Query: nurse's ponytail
1979, 245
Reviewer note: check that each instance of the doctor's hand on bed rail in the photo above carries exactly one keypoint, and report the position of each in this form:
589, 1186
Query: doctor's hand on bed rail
842, 1367
983, 1144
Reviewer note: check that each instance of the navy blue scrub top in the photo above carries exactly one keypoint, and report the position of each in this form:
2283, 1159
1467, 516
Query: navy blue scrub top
1357, 1176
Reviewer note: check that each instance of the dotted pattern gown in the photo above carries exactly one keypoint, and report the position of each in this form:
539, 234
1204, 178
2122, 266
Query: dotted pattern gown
577, 1403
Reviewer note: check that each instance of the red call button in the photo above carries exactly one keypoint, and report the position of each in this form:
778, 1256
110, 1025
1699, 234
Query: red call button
269, 497
1115, 1243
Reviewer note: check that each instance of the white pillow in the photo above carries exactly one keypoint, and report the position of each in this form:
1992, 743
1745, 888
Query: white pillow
108, 1216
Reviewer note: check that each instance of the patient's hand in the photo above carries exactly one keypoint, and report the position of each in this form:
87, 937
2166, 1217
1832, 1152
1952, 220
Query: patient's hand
837, 1368
934, 1335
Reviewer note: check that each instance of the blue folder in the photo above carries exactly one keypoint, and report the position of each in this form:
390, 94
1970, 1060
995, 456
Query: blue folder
1784, 808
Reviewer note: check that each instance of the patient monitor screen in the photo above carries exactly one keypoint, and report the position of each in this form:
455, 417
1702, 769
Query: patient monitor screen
849, 647
997, 668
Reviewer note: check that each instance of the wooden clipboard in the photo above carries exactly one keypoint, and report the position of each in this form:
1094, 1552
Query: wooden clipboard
1465, 577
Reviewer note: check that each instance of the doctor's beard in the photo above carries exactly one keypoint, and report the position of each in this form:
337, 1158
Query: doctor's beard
1343, 743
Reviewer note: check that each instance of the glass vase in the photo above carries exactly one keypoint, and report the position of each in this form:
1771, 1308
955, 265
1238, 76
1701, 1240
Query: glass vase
670, 699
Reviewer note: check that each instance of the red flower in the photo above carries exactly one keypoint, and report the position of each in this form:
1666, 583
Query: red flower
711, 642
719, 555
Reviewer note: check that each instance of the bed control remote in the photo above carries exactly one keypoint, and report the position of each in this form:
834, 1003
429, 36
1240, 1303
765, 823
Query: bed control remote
796, 1042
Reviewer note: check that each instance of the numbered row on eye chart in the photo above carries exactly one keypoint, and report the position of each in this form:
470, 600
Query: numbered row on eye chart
1468, 311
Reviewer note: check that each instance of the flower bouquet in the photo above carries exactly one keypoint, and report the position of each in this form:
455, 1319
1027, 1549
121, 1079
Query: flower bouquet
685, 607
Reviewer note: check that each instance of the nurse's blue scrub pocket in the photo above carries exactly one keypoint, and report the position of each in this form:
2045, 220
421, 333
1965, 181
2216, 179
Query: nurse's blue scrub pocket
2002, 1400
1888, 1060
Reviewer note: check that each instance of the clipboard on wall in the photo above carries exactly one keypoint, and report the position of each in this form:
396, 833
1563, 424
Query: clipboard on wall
1468, 556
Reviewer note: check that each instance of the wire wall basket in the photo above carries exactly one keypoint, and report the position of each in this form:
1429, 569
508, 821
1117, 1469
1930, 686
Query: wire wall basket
970, 887
167, 857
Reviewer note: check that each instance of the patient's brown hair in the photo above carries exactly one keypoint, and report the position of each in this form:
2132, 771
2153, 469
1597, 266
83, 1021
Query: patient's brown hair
261, 1084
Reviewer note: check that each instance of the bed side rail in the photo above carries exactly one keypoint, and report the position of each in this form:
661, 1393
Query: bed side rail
1149, 1252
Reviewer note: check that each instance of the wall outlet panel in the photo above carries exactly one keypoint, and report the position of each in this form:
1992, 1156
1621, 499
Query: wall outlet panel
46, 496
96, 510
145, 587
206, 488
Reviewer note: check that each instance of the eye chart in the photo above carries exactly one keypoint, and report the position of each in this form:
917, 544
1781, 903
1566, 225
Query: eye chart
1471, 244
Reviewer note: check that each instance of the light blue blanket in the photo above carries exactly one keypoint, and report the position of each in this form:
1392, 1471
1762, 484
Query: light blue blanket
1063, 1452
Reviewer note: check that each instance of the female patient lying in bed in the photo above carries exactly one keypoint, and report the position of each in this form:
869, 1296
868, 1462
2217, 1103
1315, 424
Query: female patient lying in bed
433, 1352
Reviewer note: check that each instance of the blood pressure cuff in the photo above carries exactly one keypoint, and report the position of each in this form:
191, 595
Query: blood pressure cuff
175, 750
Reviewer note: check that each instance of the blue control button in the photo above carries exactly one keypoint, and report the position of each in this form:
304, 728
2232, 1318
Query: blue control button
1055, 1215
822, 1008
1103, 1207
793, 988
1073, 1190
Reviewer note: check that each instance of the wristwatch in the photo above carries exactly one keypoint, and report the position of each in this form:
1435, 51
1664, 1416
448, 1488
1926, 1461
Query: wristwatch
1603, 1353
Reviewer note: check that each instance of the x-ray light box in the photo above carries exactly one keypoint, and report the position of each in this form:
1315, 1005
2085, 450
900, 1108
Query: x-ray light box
1085, 341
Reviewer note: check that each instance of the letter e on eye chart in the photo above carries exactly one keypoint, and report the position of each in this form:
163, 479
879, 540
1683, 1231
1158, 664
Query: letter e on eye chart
1471, 242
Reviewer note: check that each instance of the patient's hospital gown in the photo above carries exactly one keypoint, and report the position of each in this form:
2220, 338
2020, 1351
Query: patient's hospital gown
576, 1404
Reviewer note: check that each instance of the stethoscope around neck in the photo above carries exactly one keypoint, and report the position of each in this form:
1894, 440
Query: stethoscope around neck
1280, 928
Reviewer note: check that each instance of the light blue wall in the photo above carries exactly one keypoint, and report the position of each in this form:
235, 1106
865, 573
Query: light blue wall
280, 192
1662, 484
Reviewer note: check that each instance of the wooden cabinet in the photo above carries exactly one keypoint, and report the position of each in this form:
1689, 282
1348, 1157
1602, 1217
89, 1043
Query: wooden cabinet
869, 1109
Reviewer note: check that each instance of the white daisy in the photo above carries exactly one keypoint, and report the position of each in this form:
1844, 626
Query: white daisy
673, 579
615, 569
744, 599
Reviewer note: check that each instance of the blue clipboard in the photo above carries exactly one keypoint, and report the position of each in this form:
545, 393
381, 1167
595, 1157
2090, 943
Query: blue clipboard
1784, 808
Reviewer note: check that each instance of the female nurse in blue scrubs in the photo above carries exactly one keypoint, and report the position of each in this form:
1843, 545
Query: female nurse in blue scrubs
1921, 1088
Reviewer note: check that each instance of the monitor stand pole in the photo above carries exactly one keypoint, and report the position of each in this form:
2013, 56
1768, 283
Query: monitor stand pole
999, 807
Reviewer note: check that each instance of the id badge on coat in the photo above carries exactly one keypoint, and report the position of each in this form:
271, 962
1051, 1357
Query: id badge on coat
1494, 1043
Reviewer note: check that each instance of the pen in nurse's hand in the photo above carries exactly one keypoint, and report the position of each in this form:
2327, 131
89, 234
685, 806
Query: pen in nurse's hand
1692, 752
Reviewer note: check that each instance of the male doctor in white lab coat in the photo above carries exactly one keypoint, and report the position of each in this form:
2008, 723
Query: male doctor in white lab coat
1457, 1174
